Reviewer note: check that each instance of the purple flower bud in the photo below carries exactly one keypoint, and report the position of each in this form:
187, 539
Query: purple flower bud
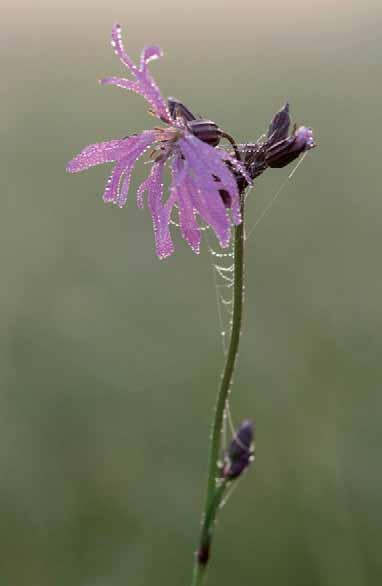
285, 151
240, 452
279, 127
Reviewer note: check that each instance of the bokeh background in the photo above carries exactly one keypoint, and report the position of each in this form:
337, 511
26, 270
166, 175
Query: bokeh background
110, 359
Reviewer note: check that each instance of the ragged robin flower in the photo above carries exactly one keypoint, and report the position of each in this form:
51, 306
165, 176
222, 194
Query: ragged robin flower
201, 172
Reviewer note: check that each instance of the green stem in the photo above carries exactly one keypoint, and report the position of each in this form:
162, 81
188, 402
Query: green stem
207, 532
214, 492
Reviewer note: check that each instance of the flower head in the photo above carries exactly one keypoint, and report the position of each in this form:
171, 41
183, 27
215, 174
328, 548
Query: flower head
199, 171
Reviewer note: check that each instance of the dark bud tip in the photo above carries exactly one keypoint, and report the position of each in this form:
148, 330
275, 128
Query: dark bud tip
285, 151
203, 555
240, 452
279, 127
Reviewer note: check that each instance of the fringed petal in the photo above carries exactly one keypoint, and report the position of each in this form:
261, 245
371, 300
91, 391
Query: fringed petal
99, 153
207, 175
210, 208
210, 163
145, 140
112, 189
164, 244
149, 90
189, 227
122, 82
144, 186
148, 54
201, 191
160, 213
107, 152
126, 152
117, 44
144, 83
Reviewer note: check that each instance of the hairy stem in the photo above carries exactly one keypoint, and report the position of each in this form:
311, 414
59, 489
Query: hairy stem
215, 491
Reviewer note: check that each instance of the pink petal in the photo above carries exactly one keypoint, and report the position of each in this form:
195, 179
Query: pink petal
160, 213
210, 208
126, 84
116, 43
144, 84
189, 227
96, 154
211, 159
140, 148
145, 186
149, 54
111, 192
149, 90
203, 189
107, 152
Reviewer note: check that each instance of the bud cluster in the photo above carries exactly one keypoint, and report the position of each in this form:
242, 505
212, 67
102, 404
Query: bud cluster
277, 149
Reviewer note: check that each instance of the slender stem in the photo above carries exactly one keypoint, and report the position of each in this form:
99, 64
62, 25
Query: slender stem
206, 533
214, 492
233, 144
231, 354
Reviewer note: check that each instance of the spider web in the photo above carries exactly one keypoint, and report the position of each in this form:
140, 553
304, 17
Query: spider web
223, 268
223, 277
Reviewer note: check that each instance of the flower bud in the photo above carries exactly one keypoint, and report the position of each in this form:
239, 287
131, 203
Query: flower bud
179, 110
240, 452
279, 127
285, 151
206, 131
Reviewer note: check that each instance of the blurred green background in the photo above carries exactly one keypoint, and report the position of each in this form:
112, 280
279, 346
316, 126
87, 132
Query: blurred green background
110, 359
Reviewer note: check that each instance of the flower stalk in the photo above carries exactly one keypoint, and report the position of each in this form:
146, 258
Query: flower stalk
216, 486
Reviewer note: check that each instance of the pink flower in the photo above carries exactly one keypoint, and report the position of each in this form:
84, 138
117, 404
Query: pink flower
199, 173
